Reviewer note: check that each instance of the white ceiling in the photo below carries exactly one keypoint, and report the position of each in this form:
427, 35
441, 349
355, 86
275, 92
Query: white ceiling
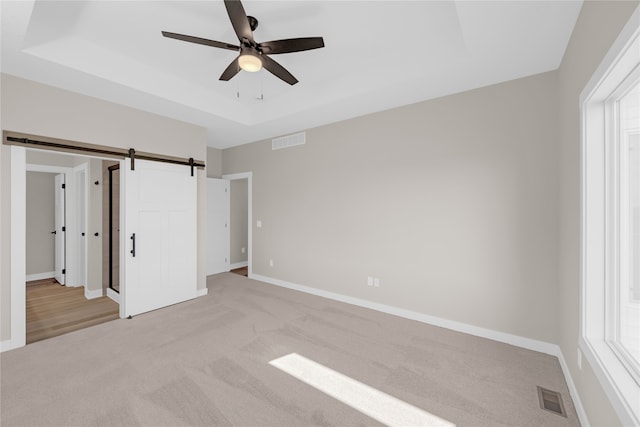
378, 55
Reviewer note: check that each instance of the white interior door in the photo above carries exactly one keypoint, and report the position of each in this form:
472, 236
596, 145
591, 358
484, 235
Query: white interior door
159, 236
81, 229
217, 225
59, 229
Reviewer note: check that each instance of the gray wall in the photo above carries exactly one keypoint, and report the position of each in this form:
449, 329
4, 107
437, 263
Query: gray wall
238, 217
40, 222
38, 109
598, 26
214, 162
452, 203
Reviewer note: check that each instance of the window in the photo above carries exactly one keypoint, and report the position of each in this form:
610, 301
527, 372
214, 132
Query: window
625, 337
610, 317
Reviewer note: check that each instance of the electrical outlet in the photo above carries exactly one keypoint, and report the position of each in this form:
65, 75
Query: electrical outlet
242, 250
259, 224
376, 282
369, 281
270, 263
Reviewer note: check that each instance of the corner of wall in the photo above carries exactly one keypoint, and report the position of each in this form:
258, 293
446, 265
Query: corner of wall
214, 162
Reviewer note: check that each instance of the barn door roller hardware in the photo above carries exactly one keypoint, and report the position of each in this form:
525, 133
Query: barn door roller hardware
98, 150
132, 155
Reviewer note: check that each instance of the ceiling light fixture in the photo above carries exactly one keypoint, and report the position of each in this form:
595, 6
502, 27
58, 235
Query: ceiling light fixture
249, 60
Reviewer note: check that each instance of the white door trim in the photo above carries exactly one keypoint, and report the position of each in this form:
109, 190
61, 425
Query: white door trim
218, 225
249, 177
18, 195
73, 277
18, 247
32, 167
59, 224
81, 194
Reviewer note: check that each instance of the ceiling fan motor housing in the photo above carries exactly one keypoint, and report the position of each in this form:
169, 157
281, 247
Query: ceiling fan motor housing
253, 23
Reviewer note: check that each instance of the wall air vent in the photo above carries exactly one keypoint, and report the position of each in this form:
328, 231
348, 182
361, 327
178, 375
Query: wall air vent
288, 141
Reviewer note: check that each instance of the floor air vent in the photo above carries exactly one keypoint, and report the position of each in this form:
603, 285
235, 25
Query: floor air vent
551, 401
288, 141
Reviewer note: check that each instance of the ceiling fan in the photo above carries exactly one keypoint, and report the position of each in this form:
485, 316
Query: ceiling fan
253, 56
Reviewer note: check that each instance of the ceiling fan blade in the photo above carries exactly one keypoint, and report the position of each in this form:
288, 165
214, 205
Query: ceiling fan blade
239, 20
199, 40
278, 70
231, 70
291, 45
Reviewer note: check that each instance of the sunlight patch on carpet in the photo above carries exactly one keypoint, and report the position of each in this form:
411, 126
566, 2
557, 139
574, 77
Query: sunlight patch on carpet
365, 399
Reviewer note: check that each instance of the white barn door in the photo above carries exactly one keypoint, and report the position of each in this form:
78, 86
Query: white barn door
217, 226
159, 235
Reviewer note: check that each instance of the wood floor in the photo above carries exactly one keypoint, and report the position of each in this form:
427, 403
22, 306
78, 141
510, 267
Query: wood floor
242, 271
54, 310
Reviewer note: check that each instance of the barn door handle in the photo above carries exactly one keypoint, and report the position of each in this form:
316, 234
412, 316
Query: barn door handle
133, 248
53, 232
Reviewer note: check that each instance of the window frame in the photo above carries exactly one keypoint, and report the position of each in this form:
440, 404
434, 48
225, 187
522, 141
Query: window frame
617, 146
600, 221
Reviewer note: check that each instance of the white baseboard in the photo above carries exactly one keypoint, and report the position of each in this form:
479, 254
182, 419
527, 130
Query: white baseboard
238, 265
516, 340
7, 345
40, 276
573, 391
113, 295
202, 292
73, 285
92, 294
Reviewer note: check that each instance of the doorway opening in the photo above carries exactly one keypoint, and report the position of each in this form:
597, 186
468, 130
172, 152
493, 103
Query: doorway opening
63, 290
240, 219
150, 194
43, 226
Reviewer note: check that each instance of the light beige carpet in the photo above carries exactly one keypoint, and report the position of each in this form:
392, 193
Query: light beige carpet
206, 362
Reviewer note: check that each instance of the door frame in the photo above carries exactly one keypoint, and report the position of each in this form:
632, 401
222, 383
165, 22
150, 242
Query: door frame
69, 205
18, 248
75, 273
59, 228
81, 194
214, 228
249, 177
18, 195
111, 292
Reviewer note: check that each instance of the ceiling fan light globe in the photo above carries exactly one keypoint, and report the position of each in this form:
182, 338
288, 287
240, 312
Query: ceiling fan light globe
250, 63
